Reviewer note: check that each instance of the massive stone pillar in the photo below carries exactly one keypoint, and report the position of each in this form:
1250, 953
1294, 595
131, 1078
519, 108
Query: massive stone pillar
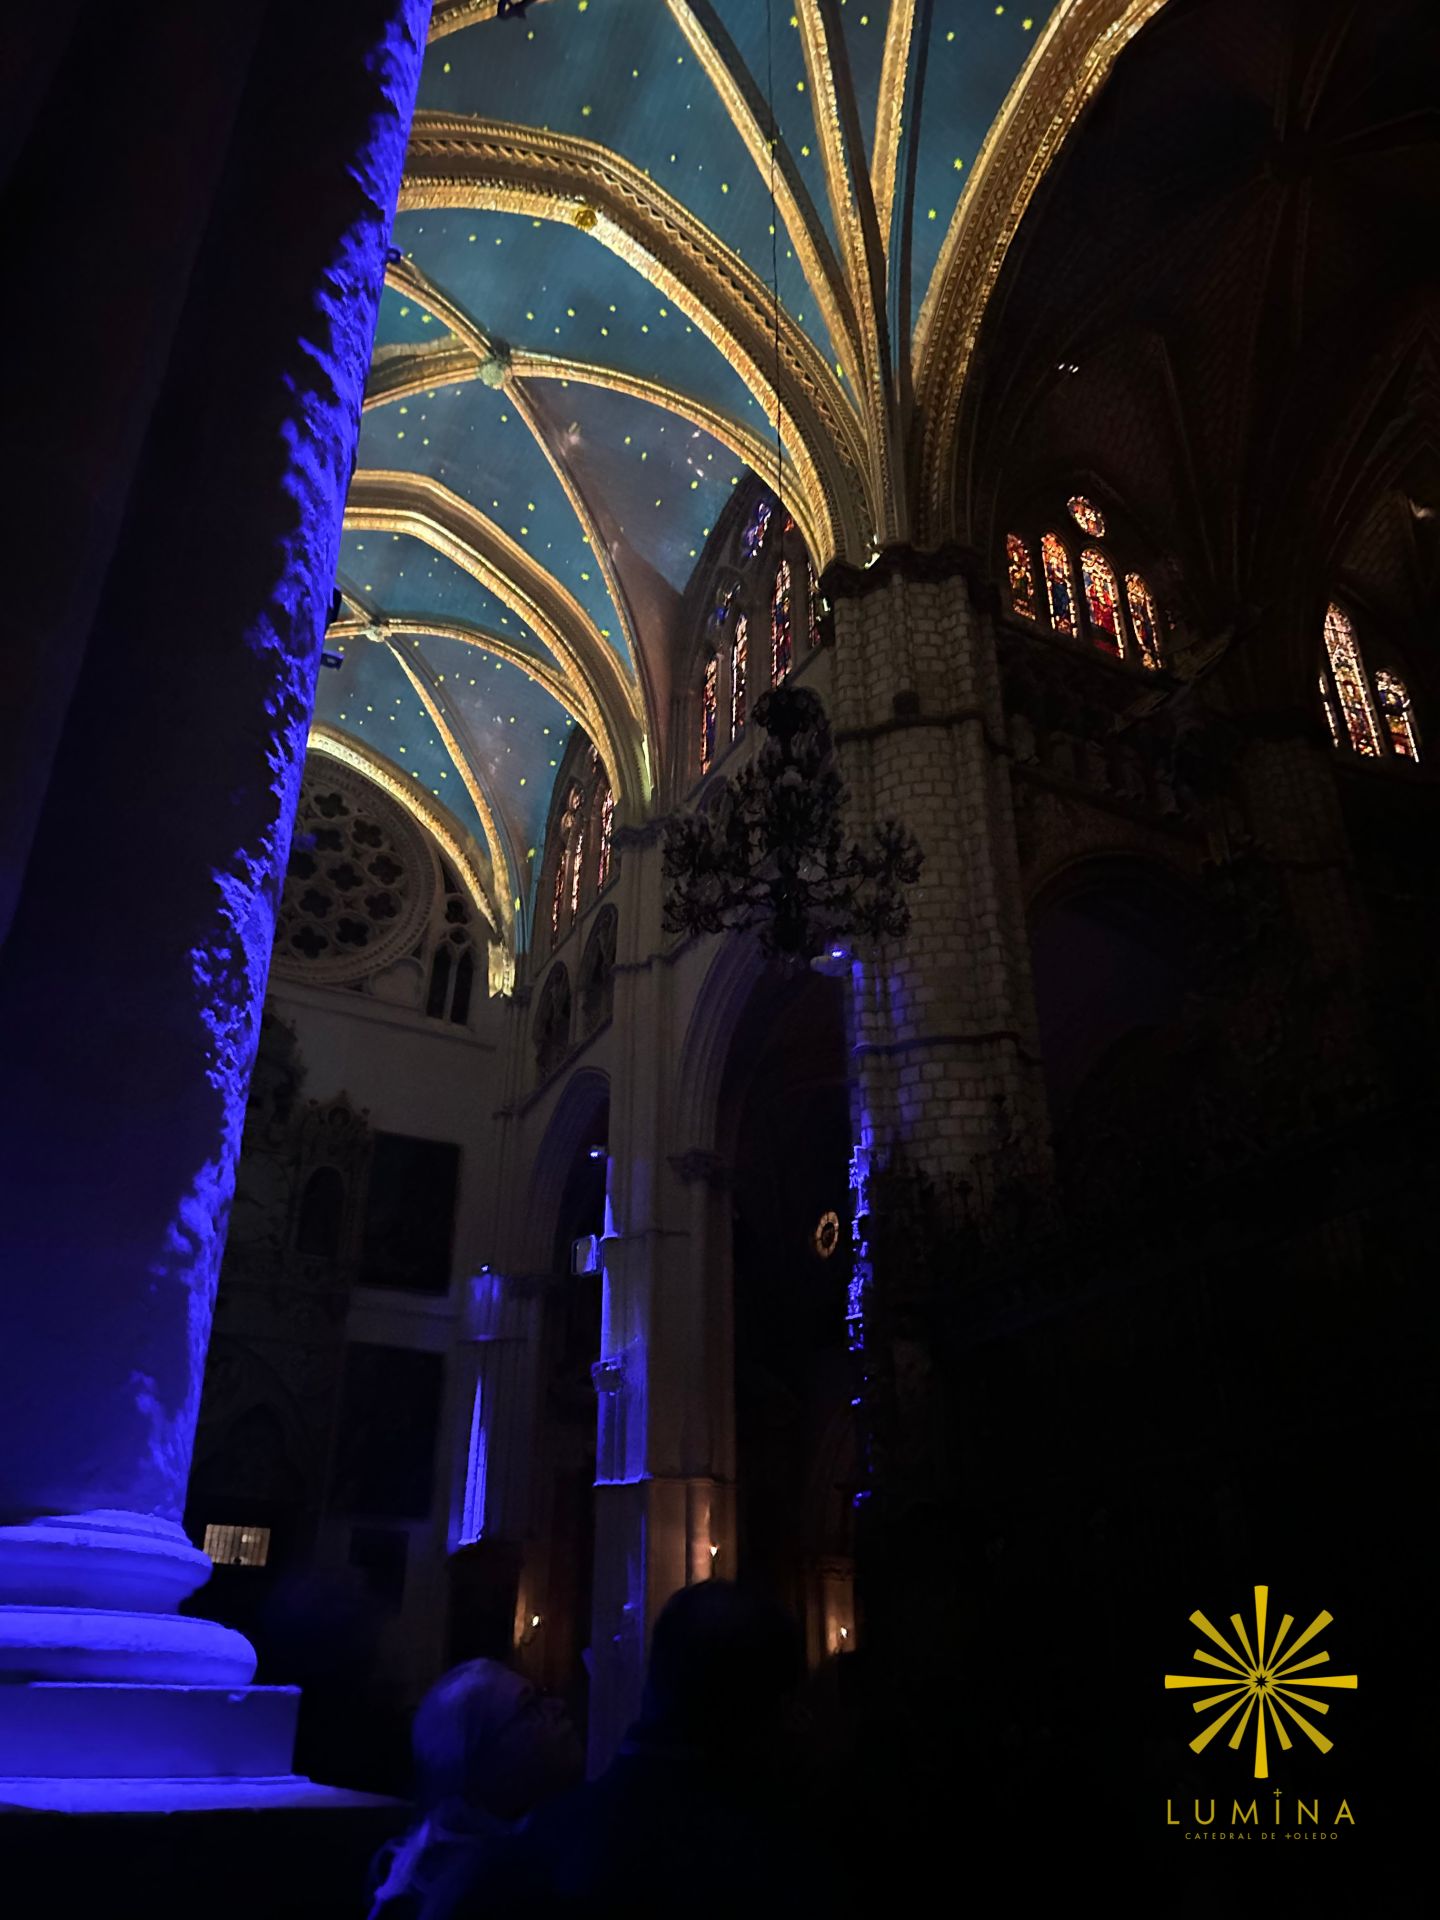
945, 1047
664, 1494
948, 1101
159, 787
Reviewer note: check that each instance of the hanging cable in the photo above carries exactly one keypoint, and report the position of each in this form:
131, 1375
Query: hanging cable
774, 245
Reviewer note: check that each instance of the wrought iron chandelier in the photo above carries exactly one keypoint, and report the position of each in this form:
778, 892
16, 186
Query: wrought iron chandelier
767, 852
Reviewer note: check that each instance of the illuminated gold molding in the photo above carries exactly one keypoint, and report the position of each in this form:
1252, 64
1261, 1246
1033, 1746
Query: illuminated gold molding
847, 185
398, 373
1068, 65
463, 162
890, 113
386, 626
453, 16
405, 275
464, 756
751, 116
451, 838
599, 546
607, 699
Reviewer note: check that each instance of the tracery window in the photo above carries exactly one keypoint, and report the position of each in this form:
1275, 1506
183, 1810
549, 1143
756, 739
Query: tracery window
1361, 726
753, 538
569, 822
766, 630
552, 1021
739, 666
1329, 706
1374, 718
781, 640
607, 834
1087, 516
1022, 577
577, 870
1059, 584
709, 701
1144, 621
1102, 601
1395, 711
1113, 619
579, 853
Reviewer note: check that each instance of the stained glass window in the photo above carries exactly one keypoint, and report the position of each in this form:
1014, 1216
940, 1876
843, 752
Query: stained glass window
1087, 515
1144, 621
1395, 711
574, 800
723, 606
812, 602
739, 664
1361, 725
1022, 577
707, 712
753, 537
607, 834
780, 638
1329, 706
1059, 583
577, 874
1102, 601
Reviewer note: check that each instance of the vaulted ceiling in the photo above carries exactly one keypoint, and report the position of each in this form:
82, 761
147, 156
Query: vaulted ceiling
580, 356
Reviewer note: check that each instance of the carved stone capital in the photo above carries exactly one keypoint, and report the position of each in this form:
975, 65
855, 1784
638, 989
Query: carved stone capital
646, 834
699, 1163
925, 566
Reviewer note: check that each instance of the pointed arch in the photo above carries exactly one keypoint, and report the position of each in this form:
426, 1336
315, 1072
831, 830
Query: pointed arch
608, 700
1070, 61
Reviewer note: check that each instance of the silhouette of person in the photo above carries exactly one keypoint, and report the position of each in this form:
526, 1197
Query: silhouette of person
701, 1811
489, 1748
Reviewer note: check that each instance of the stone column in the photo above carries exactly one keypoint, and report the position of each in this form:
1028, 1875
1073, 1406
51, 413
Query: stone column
948, 1104
159, 813
945, 1045
665, 1467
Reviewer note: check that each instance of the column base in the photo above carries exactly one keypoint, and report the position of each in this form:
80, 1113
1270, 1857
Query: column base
55, 1731
101, 1680
281, 1793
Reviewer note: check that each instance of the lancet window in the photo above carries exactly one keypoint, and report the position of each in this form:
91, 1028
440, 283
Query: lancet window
739, 669
1059, 583
1372, 717
757, 630
1102, 601
580, 843
781, 638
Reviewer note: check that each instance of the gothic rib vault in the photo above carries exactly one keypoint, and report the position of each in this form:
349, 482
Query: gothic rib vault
579, 357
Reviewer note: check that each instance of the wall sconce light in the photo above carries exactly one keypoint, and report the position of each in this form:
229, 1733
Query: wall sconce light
608, 1373
833, 962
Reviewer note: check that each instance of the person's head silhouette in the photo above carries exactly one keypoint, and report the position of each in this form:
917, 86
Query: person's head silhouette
722, 1663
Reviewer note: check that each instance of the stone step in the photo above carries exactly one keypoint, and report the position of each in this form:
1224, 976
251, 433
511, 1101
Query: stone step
71, 1730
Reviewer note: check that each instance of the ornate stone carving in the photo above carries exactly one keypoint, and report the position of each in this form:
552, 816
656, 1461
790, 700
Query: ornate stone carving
360, 884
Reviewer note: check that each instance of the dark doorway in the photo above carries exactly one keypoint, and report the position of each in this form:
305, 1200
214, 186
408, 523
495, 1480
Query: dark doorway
786, 1101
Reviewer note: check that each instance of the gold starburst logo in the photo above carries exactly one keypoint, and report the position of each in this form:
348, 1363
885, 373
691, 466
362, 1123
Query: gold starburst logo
1259, 1683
